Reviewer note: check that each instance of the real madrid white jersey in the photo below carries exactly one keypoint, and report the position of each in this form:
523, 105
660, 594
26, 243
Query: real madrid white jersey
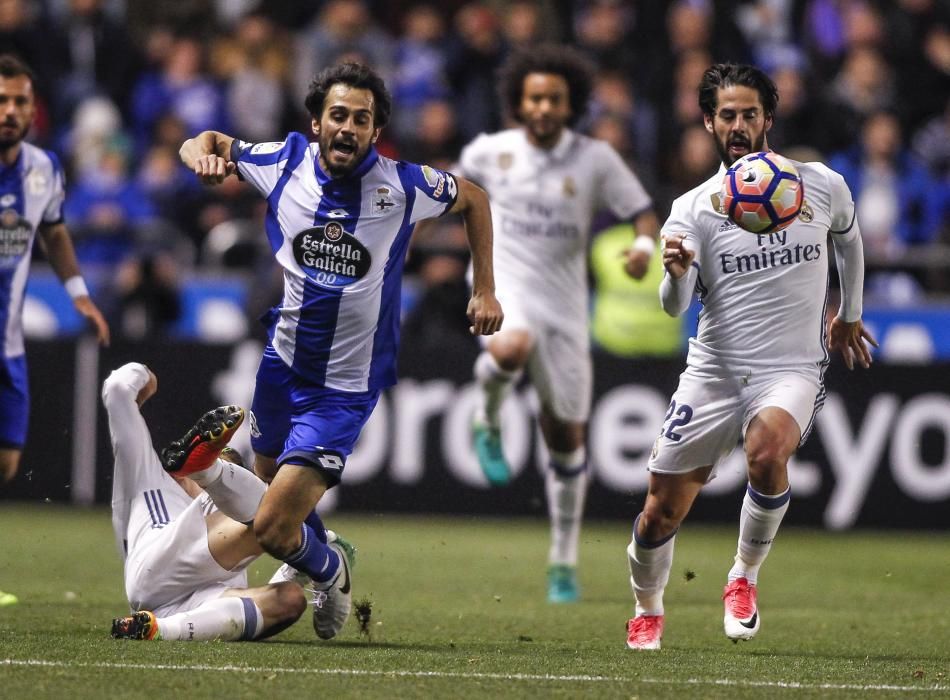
341, 243
542, 203
764, 296
31, 193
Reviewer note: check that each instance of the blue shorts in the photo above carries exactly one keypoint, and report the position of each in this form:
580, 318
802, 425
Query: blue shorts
14, 402
296, 421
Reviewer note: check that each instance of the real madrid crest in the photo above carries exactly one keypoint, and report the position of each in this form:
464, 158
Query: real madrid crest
570, 189
505, 160
806, 213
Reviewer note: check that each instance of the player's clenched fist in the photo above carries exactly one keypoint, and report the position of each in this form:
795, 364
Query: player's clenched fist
676, 257
212, 169
485, 314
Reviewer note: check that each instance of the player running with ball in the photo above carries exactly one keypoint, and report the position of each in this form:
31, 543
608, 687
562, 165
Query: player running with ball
755, 369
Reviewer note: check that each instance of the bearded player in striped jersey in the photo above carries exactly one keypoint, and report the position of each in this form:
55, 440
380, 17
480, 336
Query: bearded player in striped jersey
32, 190
339, 220
755, 368
546, 183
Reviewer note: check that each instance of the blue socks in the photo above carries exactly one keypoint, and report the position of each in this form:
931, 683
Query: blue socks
314, 557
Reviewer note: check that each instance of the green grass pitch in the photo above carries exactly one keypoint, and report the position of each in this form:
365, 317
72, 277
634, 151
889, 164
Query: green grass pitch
459, 611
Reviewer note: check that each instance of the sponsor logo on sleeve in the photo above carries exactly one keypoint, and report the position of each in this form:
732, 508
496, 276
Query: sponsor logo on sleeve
264, 148
434, 179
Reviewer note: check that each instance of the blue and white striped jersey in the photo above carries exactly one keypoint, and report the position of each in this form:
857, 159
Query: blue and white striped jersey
31, 194
341, 243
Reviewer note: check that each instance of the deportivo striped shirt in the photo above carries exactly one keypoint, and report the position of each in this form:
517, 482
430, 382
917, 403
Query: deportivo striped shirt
341, 243
31, 194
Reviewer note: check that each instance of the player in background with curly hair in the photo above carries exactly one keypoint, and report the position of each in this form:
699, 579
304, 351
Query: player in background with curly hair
546, 182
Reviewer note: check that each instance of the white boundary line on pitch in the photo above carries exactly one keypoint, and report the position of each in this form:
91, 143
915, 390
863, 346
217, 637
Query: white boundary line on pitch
475, 676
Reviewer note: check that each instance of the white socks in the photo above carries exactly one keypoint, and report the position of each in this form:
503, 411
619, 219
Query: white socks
495, 384
759, 521
226, 619
235, 491
650, 565
565, 484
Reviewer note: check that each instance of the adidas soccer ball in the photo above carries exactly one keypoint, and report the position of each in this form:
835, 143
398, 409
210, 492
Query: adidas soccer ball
762, 192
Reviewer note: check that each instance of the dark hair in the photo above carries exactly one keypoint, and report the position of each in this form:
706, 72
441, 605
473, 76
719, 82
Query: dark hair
13, 67
356, 75
722, 75
552, 59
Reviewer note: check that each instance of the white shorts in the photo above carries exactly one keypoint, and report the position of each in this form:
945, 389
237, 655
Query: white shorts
560, 364
169, 568
708, 414
159, 528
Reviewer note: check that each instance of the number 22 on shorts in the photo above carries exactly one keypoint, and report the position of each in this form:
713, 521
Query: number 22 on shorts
681, 415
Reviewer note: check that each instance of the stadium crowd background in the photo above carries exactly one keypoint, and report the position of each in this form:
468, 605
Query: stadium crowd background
863, 85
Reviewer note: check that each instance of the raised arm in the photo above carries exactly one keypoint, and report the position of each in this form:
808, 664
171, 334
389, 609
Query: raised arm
676, 289
484, 311
209, 155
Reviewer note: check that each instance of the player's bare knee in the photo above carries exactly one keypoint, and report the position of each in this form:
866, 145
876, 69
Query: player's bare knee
287, 602
293, 601
511, 349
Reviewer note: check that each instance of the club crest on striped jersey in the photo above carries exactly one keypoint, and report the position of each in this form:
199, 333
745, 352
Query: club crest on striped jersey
15, 235
330, 255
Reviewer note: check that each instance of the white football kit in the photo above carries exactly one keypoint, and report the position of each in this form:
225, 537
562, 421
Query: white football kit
160, 529
761, 336
542, 204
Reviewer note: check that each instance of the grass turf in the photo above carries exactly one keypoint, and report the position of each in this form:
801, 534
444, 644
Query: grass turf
459, 611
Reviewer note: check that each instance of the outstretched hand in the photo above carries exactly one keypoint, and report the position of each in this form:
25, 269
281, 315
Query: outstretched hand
849, 339
485, 314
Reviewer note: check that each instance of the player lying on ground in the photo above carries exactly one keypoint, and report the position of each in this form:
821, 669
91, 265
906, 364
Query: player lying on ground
187, 542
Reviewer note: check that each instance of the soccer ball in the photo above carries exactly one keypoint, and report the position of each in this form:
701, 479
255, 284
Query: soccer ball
762, 192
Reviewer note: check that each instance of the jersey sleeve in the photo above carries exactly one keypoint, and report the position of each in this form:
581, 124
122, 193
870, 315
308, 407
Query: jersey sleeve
681, 222
621, 190
262, 164
841, 204
433, 191
53, 213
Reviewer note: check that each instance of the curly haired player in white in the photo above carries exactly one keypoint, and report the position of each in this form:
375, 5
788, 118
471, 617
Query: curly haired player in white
546, 183
755, 368
187, 541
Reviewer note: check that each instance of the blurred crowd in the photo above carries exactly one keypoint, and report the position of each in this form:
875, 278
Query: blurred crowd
863, 86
